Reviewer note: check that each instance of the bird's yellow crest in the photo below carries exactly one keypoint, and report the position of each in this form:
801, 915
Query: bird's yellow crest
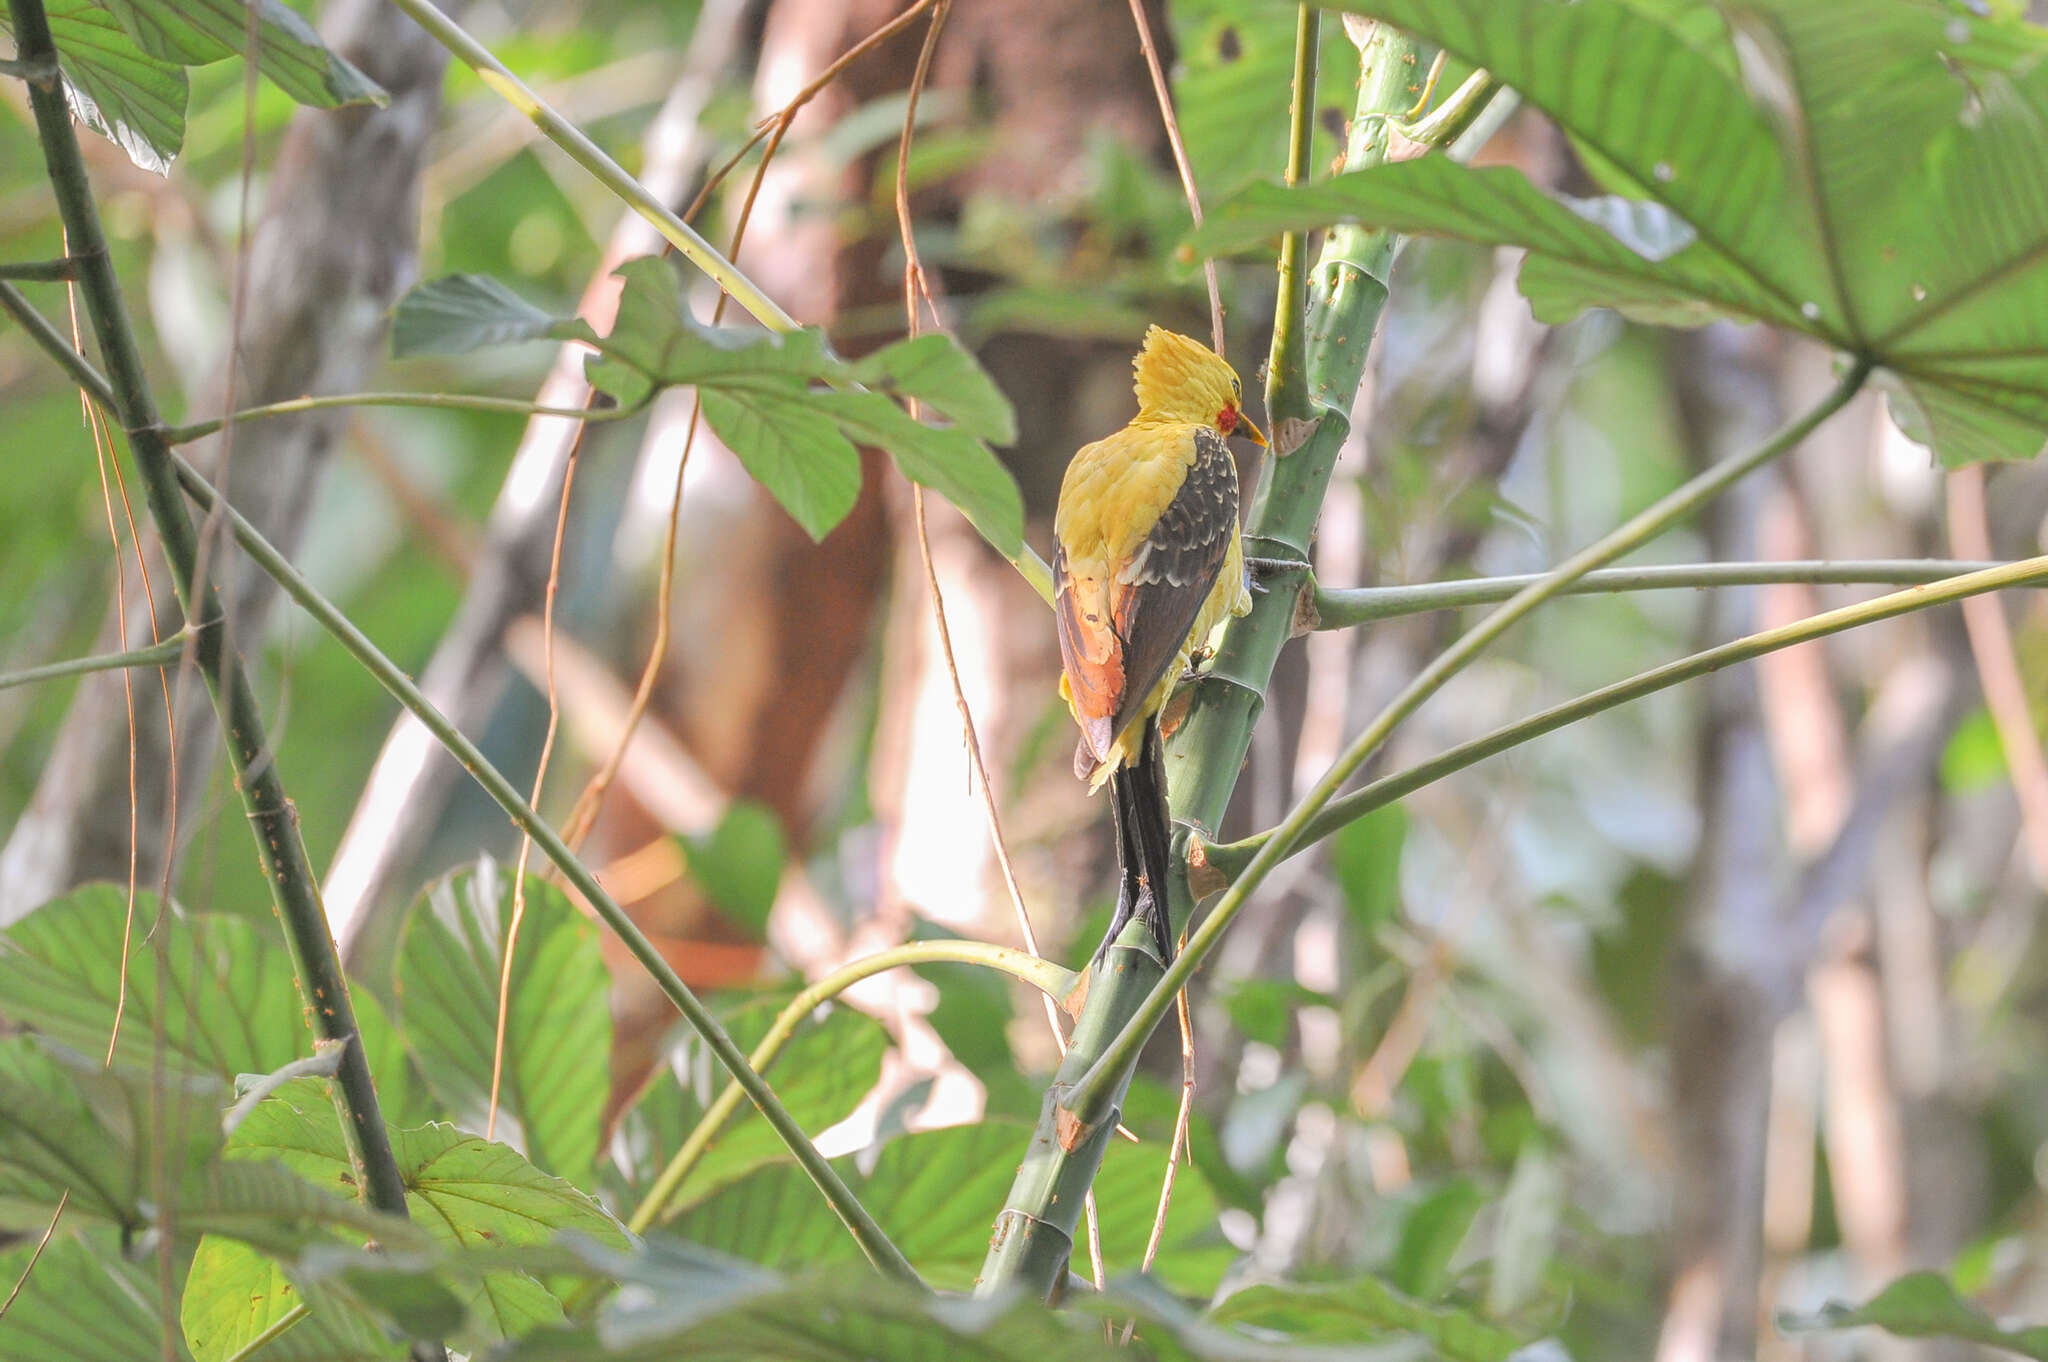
1180, 379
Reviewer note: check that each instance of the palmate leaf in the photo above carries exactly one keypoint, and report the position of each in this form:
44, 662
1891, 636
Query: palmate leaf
1871, 173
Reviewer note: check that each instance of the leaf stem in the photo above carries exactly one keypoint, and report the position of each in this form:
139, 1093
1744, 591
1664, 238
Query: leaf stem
155, 655
1050, 979
1341, 609
1093, 1095
512, 406
43, 271
1232, 858
278, 1328
272, 820
880, 1251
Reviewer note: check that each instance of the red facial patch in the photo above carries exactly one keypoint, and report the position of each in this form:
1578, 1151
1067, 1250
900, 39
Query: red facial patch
1226, 420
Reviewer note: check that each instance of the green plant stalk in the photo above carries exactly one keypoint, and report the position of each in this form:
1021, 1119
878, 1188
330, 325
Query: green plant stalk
1287, 360
1033, 1237
664, 220
55, 343
45, 271
873, 1242
293, 889
155, 655
1051, 979
511, 406
1097, 1091
1341, 609
1232, 858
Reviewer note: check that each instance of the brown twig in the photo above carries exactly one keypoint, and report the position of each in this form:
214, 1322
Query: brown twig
540, 775
1180, 161
48, 1230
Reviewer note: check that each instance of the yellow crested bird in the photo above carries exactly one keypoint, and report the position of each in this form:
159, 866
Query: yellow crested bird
1150, 563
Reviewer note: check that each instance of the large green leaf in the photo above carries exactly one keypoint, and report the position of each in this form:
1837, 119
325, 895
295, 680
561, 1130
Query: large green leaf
461, 1190
1232, 79
680, 1302
946, 459
221, 992
791, 447
557, 1022
68, 1126
738, 864
234, 1293
937, 1192
946, 378
1872, 174
196, 32
1926, 1305
83, 1303
115, 88
824, 1071
1363, 1311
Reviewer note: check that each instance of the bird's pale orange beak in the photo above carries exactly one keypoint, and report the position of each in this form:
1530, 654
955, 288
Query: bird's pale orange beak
1250, 431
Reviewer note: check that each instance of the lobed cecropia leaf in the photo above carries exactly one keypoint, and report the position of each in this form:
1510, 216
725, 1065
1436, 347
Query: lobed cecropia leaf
1871, 174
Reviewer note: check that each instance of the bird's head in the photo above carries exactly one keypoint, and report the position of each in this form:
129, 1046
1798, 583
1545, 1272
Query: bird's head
1178, 379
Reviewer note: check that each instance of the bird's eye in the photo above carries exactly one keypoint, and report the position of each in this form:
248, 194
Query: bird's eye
1236, 387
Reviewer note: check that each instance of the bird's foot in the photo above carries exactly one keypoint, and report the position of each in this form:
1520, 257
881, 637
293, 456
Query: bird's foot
1258, 569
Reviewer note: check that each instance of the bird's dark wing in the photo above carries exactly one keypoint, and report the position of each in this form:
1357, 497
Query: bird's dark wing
1155, 599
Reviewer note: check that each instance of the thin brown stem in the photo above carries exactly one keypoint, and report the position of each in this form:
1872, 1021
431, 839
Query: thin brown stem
1164, 94
540, 775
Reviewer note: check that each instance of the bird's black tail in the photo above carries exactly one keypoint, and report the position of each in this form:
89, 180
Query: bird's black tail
1144, 844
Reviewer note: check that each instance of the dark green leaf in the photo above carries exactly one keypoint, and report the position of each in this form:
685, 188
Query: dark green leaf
1431, 1235
1366, 854
950, 462
558, 1016
1365, 1311
222, 992
1925, 1305
739, 865
458, 313
936, 371
196, 32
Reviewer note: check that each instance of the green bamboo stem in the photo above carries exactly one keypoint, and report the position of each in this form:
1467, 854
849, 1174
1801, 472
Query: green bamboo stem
511, 406
293, 889
1049, 978
1233, 858
1096, 1093
873, 1242
1034, 1234
40, 271
663, 219
1341, 609
155, 655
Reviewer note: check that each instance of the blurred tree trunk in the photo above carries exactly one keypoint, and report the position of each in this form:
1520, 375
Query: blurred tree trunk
334, 249
1736, 973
